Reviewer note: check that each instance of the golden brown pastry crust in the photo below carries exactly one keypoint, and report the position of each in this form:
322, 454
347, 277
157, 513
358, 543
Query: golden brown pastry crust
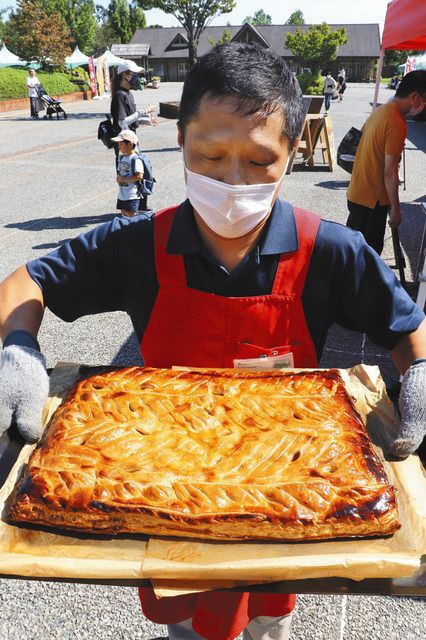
213, 454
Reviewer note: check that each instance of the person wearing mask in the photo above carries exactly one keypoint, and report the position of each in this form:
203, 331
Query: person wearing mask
232, 267
124, 113
31, 82
373, 193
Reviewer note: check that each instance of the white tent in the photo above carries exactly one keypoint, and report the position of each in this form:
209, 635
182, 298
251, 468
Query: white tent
112, 60
414, 63
408, 66
421, 61
76, 59
8, 59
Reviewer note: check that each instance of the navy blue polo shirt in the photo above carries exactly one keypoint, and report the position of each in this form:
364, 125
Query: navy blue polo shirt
112, 268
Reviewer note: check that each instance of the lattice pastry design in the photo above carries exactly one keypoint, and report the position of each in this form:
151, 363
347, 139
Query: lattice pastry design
213, 454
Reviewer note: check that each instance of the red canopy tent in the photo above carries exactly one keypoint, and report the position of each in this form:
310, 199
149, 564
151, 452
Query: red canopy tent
405, 28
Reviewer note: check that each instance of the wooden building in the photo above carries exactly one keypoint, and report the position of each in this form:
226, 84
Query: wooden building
165, 49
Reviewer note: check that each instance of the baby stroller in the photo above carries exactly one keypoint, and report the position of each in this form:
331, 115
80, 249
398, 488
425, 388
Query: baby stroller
52, 106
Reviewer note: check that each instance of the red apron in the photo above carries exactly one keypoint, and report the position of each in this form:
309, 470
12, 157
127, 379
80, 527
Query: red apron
193, 328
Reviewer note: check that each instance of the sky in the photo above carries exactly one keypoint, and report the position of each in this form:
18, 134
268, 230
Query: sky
314, 11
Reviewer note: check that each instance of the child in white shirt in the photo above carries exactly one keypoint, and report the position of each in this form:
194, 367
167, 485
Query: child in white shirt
129, 173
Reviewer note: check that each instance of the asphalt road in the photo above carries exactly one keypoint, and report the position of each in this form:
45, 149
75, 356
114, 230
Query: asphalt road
58, 180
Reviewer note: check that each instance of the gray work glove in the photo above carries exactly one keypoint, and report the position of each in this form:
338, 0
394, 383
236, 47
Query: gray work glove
412, 406
24, 387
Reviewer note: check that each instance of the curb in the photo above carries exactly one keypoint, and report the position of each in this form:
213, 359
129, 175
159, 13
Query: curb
23, 103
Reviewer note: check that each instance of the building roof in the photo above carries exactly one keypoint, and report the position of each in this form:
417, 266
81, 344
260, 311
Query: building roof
131, 50
363, 39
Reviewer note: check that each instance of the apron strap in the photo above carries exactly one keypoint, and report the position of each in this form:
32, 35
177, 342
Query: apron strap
293, 267
170, 268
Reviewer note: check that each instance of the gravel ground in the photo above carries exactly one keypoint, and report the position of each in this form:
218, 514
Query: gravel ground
58, 181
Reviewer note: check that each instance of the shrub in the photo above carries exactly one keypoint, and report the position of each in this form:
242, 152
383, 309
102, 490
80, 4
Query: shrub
12, 83
311, 84
79, 76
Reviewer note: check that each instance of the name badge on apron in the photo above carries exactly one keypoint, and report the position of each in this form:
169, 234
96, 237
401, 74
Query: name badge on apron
266, 362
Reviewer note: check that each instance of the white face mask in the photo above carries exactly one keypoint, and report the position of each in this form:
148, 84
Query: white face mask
229, 210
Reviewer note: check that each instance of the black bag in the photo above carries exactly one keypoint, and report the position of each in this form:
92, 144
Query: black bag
106, 132
146, 185
347, 149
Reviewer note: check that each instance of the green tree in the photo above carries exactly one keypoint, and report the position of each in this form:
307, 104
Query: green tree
80, 18
35, 35
259, 18
101, 13
317, 46
119, 20
85, 26
104, 38
137, 17
296, 18
3, 12
224, 38
193, 15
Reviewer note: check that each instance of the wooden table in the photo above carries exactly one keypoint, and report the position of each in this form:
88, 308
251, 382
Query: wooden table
317, 134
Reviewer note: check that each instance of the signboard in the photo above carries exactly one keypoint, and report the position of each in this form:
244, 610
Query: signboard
92, 76
106, 75
100, 75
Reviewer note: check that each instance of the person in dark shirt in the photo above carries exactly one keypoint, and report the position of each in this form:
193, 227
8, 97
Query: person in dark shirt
124, 113
341, 86
230, 273
122, 100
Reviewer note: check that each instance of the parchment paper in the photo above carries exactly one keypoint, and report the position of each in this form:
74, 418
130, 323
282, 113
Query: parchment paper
183, 566
180, 566
37, 553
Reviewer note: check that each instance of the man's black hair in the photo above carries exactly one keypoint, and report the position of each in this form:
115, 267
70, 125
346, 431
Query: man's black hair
413, 81
257, 77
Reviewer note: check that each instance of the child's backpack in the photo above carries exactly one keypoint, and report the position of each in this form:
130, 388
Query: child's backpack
146, 185
106, 132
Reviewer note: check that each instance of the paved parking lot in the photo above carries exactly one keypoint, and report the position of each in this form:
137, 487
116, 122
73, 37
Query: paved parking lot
58, 180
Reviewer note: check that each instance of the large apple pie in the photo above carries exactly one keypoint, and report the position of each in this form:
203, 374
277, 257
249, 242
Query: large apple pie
221, 454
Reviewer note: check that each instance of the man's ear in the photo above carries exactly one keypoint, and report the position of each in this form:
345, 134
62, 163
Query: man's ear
179, 136
294, 146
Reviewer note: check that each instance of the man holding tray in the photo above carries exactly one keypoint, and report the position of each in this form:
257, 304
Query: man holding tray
234, 272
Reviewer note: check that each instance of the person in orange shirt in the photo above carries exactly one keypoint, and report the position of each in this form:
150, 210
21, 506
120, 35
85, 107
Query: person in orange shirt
373, 190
